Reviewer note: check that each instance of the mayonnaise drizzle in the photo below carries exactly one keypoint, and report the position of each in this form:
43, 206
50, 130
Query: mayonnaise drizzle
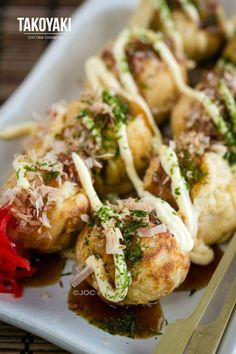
229, 101
201, 97
166, 213
169, 162
173, 222
201, 253
168, 23
190, 11
155, 39
128, 160
19, 166
125, 75
18, 130
86, 181
100, 77
122, 275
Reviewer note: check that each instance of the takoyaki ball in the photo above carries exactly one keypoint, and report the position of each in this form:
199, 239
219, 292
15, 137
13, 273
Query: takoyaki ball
152, 76
162, 269
154, 79
202, 32
91, 128
211, 184
189, 151
139, 138
45, 201
156, 263
191, 114
214, 198
208, 39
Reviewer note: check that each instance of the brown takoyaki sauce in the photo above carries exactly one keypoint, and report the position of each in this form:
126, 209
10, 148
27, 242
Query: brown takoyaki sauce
134, 321
199, 276
49, 268
131, 321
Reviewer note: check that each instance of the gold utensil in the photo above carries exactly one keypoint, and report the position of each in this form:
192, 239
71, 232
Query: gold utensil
178, 333
206, 338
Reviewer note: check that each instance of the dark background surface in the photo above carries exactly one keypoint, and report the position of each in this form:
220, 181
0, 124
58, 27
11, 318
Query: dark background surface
17, 57
17, 54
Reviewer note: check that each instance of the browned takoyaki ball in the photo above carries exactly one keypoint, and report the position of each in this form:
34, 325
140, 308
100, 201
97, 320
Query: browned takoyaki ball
152, 76
202, 35
45, 202
156, 263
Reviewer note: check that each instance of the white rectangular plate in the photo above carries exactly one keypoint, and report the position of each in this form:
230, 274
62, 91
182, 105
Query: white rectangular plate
59, 75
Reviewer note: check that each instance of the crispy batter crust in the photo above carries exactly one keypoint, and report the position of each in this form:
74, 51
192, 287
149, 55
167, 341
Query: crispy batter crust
162, 268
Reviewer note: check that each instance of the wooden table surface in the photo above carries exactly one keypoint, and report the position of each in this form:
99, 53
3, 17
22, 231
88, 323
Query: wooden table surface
17, 57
